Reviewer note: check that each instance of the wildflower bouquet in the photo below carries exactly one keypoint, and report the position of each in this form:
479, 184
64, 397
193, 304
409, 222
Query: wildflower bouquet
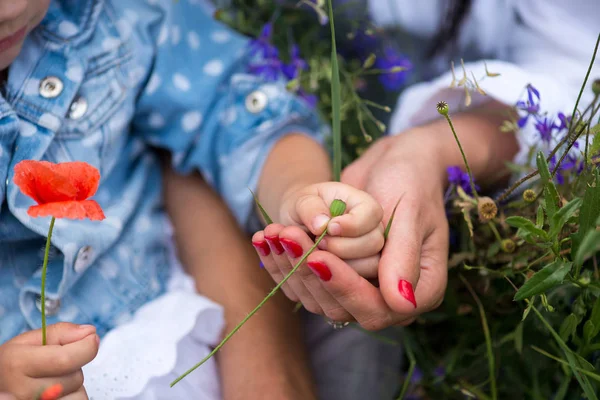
521, 317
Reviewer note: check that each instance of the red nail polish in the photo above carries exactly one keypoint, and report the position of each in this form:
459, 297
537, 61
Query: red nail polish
274, 244
320, 269
262, 248
293, 249
406, 290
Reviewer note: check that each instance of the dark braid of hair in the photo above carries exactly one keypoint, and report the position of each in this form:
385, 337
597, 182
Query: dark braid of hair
445, 38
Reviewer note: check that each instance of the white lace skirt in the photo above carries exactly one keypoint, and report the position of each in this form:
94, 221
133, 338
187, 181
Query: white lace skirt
139, 358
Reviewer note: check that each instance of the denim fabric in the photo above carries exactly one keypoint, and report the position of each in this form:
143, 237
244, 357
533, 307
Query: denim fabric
135, 75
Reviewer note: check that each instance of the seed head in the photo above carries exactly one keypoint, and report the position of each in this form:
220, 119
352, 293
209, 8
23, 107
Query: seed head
596, 87
508, 246
529, 196
487, 209
442, 108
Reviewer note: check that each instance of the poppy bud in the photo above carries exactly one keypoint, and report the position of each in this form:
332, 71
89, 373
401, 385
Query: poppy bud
337, 208
596, 87
442, 108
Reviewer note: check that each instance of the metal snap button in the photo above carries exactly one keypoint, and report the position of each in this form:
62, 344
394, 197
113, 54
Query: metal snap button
256, 101
78, 108
52, 306
83, 259
51, 87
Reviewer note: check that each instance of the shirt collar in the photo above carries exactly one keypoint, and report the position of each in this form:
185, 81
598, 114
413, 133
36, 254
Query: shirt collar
70, 21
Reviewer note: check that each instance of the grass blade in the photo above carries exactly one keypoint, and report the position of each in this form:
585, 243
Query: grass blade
389, 224
266, 217
335, 102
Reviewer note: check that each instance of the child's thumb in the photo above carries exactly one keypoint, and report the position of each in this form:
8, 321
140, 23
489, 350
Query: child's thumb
313, 212
61, 334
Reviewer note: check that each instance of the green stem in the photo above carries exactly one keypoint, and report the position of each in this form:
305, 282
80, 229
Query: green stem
462, 152
258, 307
335, 102
488, 338
43, 289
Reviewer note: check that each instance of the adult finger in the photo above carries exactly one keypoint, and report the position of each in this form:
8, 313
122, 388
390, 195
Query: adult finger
57, 360
354, 293
312, 279
401, 259
59, 334
265, 251
7, 396
356, 174
286, 260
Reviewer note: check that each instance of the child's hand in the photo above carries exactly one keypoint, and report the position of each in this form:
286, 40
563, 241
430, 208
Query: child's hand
356, 236
27, 367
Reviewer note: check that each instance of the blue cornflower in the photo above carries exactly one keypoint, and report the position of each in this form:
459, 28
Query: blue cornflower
545, 127
310, 99
296, 64
569, 164
531, 106
391, 58
564, 121
457, 177
261, 46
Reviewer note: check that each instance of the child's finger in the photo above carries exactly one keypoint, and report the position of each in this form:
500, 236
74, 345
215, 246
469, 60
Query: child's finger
367, 267
313, 212
264, 252
55, 360
353, 248
364, 215
70, 383
60, 334
80, 394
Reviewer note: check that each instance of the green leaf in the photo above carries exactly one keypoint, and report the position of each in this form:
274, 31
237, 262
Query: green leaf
266, 217
550, 194
595, 317
574, 362
546, 278
595, 145
588, 331
568, 327
336, 101
519, 338
588, 247
590, 211
539, 220
528, 309
389, 224
527, 226
558, 221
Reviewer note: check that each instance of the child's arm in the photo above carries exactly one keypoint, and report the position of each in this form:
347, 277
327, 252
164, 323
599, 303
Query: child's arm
267, 361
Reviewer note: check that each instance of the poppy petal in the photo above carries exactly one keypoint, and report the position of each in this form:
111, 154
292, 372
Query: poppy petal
68, 209
84, 177
37, 180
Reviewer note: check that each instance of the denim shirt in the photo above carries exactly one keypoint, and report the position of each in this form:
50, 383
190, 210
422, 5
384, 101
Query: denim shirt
106, 81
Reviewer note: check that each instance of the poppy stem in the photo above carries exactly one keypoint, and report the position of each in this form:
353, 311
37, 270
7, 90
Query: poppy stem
43, 289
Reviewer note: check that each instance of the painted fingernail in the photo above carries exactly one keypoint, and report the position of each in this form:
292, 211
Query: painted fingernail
262, 248
293, 249
320, 269
320, 221
274, 244
406, 290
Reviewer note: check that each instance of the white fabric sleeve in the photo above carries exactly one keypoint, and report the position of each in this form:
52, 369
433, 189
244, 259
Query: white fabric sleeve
549, 45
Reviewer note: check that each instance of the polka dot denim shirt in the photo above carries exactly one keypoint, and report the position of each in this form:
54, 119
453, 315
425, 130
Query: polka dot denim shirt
105, 81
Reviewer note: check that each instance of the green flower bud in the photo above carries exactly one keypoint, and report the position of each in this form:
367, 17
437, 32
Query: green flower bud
508, 246
337, 208
529, 196
442, 108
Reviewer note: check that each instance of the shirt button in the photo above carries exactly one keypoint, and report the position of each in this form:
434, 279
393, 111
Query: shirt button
78, 108
52, 306
256, 101
51, 87
83, 259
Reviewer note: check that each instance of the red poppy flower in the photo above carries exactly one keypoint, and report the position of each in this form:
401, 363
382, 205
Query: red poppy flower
52, 392
60, 190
